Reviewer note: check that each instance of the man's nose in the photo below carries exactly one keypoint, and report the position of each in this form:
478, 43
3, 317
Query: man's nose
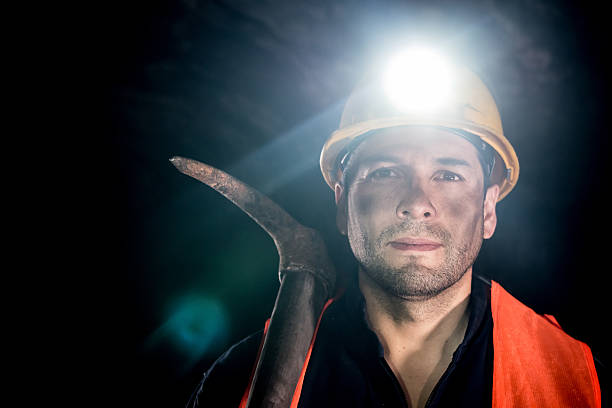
415, 204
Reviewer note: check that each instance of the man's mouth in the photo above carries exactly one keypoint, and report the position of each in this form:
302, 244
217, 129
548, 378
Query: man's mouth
414, 244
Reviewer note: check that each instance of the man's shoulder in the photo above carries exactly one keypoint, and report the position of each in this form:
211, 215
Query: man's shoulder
225, 381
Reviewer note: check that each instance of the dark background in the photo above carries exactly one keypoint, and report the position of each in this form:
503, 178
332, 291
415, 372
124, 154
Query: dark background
255, 88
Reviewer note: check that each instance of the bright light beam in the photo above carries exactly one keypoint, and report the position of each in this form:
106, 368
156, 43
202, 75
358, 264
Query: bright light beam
417, 80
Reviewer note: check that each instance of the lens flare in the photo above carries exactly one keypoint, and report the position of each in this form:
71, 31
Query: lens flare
197, 325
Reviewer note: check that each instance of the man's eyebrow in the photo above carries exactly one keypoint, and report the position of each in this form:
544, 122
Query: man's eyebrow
452, 161
390, 158
380, 158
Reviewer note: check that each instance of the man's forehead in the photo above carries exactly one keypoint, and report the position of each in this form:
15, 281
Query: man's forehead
396, 143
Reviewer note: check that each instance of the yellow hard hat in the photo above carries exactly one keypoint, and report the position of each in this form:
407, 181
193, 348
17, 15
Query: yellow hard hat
470, 108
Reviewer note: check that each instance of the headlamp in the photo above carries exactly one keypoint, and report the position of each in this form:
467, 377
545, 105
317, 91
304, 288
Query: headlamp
417, 80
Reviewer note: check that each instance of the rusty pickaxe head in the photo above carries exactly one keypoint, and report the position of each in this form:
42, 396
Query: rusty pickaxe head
300, 249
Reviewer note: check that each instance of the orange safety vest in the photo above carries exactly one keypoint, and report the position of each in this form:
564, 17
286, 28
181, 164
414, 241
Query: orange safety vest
535, 363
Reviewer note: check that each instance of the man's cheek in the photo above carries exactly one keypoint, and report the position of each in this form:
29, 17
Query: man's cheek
363, 204
465, 214
462, 207
373, 201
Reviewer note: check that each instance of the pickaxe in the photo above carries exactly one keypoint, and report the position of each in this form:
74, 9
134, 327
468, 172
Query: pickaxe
307, 279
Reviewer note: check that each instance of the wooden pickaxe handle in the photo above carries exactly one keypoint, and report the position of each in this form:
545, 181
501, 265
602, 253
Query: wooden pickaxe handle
307, 280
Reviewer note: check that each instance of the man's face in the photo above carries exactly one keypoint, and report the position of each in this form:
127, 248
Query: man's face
414, 211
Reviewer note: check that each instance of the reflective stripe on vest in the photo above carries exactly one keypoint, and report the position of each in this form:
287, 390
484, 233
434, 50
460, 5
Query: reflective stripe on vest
535, 363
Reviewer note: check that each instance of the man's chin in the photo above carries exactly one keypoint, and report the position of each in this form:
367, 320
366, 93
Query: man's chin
412, 281
419, 287
416, 267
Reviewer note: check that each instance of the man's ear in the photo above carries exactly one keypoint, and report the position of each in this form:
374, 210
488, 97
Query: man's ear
341, 217
490, 216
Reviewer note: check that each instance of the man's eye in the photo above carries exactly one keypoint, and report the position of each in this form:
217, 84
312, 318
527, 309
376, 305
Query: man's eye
384, 173
448, 176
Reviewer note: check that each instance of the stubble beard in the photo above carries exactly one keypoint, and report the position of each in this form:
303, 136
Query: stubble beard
412, 279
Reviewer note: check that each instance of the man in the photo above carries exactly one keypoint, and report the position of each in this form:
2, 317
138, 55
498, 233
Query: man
416, 194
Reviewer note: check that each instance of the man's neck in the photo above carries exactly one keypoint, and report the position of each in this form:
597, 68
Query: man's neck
419, 317
419, 336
